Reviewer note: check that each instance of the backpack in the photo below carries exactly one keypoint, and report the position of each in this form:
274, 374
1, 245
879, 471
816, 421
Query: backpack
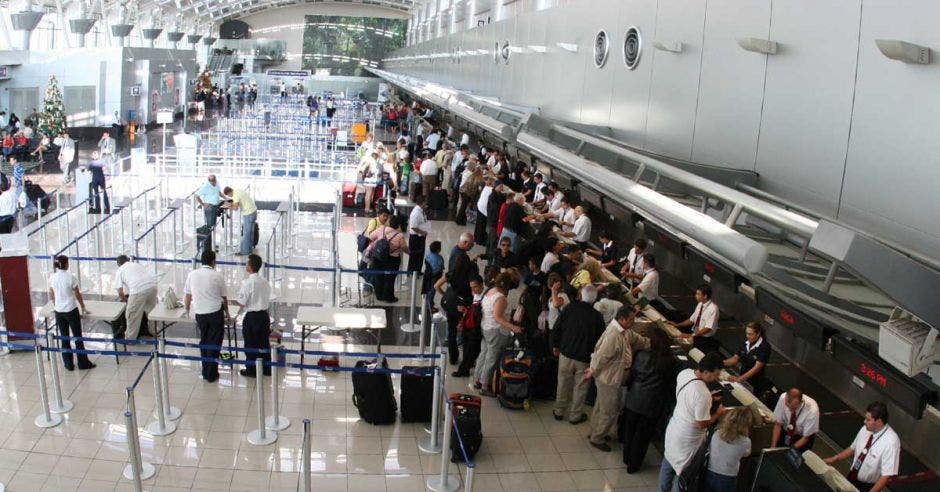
382, 249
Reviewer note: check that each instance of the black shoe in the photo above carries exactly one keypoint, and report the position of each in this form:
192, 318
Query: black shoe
87, 366
267, 373
392, 299
603, 446
69, 367
581, 418
247, 373
212, 379
558, 417
460, 374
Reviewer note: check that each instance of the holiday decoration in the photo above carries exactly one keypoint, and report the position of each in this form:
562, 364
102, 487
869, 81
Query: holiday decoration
52, 119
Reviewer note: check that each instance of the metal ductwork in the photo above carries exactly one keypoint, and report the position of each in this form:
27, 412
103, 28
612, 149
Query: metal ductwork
122, 24
151, 35
733, 248
26, 21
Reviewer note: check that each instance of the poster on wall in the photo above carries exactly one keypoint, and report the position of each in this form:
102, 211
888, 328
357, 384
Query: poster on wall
176, 98
166, 83
383, 92
347, 45
154, 102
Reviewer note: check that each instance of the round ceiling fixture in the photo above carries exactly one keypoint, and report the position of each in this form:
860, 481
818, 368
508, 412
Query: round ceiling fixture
504, 52
601, 47
632, 48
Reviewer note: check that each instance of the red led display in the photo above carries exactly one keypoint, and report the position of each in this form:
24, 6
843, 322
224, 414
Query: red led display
787, 318
873, 375
709, 268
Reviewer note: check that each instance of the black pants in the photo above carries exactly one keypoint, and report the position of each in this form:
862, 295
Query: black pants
471, 350
256, 328
384, 284
211, 329
479, 229
461, 217
706, 344
416, 244
95, 190
70, 325
6, 223
637, 432
453, 351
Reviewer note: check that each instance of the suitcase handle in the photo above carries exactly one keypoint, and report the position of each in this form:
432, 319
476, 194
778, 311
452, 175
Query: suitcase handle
355, 401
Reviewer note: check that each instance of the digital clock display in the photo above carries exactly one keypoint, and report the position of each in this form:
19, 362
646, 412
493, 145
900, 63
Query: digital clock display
873, 375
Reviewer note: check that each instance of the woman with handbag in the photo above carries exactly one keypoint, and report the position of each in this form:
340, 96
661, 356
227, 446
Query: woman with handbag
384, 253
728, 446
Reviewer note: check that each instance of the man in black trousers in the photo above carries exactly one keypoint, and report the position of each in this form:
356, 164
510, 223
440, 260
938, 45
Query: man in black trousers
254, 296
205, 293
418, 227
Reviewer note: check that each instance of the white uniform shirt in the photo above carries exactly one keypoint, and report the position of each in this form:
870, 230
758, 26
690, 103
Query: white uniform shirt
566, 217
433, 139
709, 317
649, 286
883, 457
8, 205
255, 293
539, 194
134, 278
484, 198
62, 283
555, 203
807, 416
418, 220
683, 435
428, 167
636, 261
207, 287
582, 229
548, 261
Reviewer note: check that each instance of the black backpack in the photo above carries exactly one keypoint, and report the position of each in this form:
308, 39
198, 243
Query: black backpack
382, 249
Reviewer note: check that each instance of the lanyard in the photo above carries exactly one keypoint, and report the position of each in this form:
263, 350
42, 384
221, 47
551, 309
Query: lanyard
794, 418
700, 312
864, 454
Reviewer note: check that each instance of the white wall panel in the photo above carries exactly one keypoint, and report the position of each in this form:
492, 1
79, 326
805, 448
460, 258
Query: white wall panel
675, 78
894, 153
533, 82
804, 130
630, 99
564, 74
732, 82
598, 86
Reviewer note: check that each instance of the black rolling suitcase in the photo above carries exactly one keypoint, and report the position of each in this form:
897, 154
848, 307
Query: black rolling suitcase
373, 394
466, 414
437, 200
417, 393
203, 238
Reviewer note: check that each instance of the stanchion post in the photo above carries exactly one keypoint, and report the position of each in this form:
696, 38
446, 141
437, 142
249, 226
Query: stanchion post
411, 326
425, 323
275, 422
133, 449
59, 404
305, 456
445, 482
169, 411
430, 444
261, 436
468, 482
46, 419
146, 469
160, 427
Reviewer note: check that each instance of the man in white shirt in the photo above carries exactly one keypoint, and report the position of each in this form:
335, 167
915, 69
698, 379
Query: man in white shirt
418, 228
433, 138
254, 297
540, 189
205, 295
649, 286
8, 209
875, 451
564, 215
581, 231
704, 320
632, 270
428, 170
797, 421
690, 420
138, 288
107, 146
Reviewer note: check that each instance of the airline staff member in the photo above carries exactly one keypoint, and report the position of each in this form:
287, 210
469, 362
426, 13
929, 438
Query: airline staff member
66, 298
649, 286
418, 227
704, 321
608, 253
797, 423
876, 451
632, 270
254, 297
138, 288
753, 356
205, 293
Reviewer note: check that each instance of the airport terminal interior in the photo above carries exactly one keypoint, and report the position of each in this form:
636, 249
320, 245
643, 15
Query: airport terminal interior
477, 245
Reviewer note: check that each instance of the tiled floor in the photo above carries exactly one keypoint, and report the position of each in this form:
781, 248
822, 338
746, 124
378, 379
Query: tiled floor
522, 450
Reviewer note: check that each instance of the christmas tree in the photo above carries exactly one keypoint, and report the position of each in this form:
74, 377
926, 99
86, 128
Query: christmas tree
52, 119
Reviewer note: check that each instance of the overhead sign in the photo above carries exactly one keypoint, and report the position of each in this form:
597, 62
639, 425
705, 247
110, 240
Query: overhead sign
288, 73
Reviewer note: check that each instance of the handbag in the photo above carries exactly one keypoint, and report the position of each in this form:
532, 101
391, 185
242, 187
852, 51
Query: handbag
692, 476
170, 301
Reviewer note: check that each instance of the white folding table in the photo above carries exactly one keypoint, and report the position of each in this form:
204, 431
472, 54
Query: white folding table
340, 319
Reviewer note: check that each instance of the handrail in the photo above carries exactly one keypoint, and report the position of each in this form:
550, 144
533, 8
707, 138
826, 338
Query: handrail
84, 234
154, 226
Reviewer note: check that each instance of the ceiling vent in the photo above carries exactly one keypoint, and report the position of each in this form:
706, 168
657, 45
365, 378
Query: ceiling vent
601, 48
632, 48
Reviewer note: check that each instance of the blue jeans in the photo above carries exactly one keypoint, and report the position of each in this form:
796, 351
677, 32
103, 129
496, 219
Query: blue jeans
716, 482
211, 213
667, 478
248, 232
